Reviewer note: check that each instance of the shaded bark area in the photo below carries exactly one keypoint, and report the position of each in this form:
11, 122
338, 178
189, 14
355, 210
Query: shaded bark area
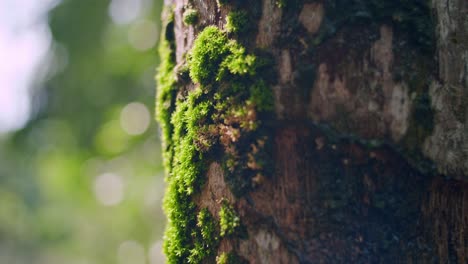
342, 202
448, 144
371, 136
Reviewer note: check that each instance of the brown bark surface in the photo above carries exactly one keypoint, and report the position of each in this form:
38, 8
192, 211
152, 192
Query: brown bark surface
370, 141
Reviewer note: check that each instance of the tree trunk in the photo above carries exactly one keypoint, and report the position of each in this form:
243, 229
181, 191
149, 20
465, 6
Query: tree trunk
315, 131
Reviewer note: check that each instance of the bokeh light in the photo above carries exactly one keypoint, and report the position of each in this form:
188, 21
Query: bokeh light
155, 253
143, 35
81, 179
135, 118
109, 189
131, 252
125, 11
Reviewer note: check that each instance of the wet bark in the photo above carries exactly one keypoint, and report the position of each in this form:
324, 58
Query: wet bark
370, 140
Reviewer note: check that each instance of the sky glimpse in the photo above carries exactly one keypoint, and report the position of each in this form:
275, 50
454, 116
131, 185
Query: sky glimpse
24, 42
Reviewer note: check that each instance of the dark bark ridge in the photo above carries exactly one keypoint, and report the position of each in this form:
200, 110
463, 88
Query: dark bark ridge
345, 171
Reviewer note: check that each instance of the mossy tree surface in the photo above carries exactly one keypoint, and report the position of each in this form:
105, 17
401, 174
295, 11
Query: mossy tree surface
218, 115
309, 131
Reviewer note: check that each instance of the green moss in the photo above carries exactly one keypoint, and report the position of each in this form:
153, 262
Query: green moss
183, 162
207, 226
229, 258
223, 258
281, 3
237, 62
214, 55
228, 219
166, 90
261, 96
207, 54
221, 112
237, 22
206, 237
187, 165
183, 240
190, 16
239, 101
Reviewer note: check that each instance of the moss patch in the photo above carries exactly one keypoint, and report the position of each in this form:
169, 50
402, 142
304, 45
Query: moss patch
207, 226
222, 119
281, 3
190, 16
206, 236
209, 50
230, 258
228, 220
237, 22
239, 99
166, 89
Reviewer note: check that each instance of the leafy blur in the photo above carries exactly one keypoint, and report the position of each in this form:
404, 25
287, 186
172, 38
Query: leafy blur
82, 182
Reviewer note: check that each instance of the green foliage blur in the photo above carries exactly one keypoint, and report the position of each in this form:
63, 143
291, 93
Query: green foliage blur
83, 181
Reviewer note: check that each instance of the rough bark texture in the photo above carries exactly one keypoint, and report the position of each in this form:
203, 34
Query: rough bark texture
370, 136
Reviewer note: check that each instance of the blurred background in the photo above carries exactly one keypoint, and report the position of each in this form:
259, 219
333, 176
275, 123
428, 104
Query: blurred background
81, 180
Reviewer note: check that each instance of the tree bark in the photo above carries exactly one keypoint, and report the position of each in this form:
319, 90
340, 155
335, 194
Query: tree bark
365, 154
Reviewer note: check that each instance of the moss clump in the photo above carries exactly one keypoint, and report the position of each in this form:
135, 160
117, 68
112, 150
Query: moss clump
207, 226
237, 62
181, 242
185, 240
223, 258
229, 258
183, 162
241, 99
190, 16
206, 237
187, 164
237, 22
228, 220
223, 113
166, 90
207, 54
281, 3
261, 96
213, 55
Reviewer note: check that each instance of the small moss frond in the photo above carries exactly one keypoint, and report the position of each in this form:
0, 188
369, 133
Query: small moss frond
207, 225
229, 258
237, 22
228, 219
190, 16
166, 90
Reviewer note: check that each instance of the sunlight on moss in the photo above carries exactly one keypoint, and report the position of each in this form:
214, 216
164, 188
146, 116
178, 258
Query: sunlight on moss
229, 258
228, 220
222, 108
165, 97
207, 54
